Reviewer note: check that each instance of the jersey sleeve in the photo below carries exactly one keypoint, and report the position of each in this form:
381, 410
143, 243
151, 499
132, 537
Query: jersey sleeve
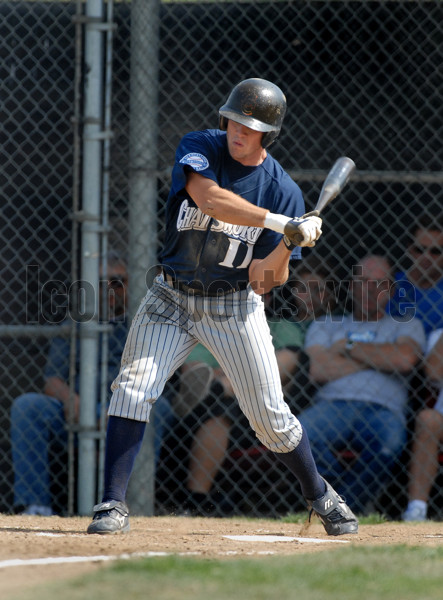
197, 151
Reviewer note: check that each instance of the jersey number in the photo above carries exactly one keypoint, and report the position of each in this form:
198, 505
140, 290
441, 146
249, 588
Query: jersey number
229, 259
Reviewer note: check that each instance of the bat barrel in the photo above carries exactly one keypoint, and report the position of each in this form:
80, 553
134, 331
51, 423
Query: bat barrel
335, 181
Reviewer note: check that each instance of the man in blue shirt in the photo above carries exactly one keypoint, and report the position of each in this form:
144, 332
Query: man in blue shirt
419, 289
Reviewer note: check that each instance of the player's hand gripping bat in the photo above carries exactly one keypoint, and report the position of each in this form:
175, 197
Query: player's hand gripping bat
335, 181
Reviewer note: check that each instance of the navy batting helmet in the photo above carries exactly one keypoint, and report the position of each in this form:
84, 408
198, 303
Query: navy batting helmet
258, 104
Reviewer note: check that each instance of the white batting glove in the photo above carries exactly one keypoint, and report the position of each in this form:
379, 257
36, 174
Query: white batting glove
299, 231
310, 228
302, 231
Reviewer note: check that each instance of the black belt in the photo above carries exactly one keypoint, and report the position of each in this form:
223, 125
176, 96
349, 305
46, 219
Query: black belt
187, 289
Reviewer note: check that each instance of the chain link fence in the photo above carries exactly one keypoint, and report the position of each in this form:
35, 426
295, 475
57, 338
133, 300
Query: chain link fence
362, 79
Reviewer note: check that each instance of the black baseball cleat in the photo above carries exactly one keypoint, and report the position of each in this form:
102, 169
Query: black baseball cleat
109, 518
333, 512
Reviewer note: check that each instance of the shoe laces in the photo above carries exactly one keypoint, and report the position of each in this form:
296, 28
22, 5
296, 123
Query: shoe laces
105, 513
335, 516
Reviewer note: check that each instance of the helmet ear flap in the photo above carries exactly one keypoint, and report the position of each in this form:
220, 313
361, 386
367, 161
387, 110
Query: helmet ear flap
223, 123
268, 138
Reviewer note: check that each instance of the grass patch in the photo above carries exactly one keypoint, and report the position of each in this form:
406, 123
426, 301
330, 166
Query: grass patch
377, 573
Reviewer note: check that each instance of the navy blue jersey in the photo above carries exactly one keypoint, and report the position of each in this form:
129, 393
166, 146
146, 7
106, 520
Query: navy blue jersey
198, 248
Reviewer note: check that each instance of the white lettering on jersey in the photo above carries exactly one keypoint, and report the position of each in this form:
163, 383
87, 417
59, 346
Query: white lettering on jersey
241, 232
190, 217
195, 160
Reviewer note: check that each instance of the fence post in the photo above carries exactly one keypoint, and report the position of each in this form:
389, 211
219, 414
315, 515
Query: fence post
90, 255
145, 16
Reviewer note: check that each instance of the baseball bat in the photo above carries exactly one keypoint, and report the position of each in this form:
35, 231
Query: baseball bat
335, 181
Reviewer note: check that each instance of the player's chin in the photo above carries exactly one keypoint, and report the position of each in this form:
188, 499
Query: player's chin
236, 149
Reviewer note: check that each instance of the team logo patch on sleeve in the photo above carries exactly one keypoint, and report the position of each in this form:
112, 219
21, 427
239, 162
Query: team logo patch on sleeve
195, 160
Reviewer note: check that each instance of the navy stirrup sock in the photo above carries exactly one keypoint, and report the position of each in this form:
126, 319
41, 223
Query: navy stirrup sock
123, 442
301, 463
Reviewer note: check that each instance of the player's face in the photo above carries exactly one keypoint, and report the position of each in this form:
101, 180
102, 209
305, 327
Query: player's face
244, 144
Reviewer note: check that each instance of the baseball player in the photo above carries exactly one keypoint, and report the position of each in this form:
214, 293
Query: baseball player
233, 219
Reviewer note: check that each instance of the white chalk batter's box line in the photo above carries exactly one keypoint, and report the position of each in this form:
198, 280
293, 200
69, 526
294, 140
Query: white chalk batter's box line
19, 562
282, 538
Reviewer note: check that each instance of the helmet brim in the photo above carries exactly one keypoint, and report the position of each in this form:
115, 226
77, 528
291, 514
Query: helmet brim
250, 122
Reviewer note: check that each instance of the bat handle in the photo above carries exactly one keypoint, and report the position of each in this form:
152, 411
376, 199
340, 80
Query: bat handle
314, 213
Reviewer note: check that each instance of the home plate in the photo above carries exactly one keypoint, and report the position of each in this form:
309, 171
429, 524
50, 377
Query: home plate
281, 538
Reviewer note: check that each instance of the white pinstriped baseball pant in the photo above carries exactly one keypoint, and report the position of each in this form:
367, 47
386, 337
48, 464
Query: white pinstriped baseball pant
167, 326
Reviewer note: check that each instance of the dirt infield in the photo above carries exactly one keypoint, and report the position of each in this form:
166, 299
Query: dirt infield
37, 549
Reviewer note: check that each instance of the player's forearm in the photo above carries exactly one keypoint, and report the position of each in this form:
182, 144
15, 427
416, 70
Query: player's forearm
228, 207
269, 272
222, 204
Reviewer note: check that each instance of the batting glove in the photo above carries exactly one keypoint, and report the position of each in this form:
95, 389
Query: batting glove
302, 231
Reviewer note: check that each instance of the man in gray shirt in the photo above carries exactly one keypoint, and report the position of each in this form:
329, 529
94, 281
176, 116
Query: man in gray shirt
361, 362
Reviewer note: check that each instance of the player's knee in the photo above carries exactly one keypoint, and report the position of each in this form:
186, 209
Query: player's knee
282, 439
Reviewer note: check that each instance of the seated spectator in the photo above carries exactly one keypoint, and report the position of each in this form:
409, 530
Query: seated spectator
419, 289
39, 420
217, 421
361, 363
428, 437
419, 293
